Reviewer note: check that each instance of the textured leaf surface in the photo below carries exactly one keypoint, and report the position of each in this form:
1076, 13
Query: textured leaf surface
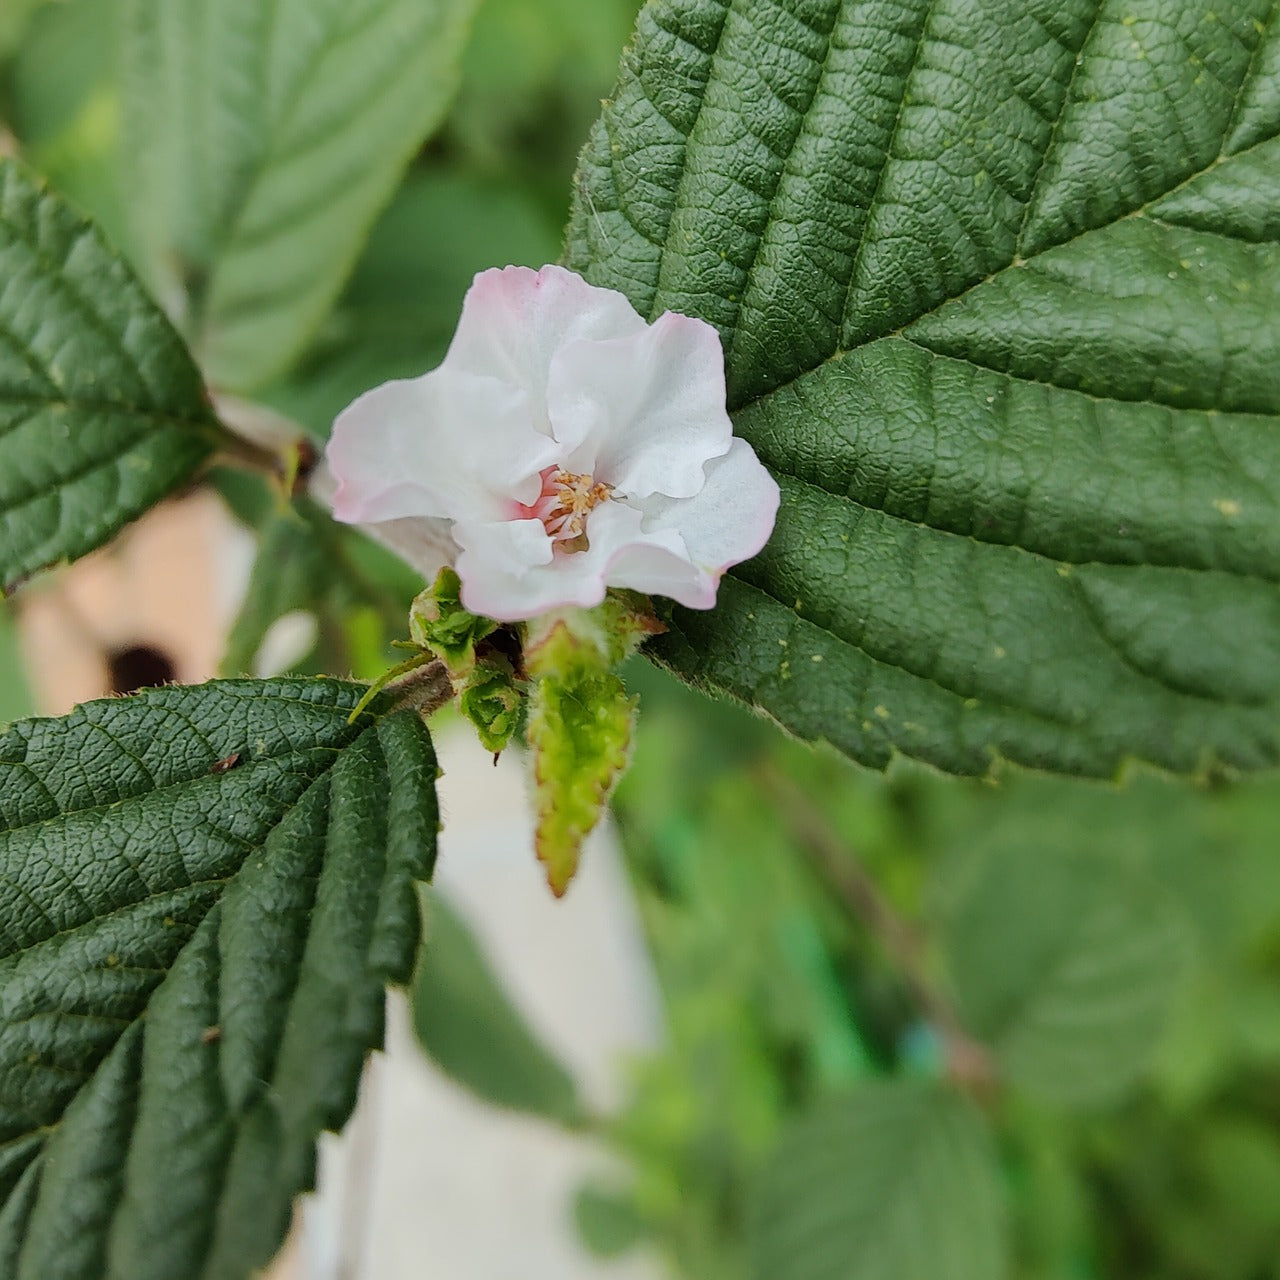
469, 1026
102, 412
1068, 965
998, 284
192, 961
897, 1181
264, 139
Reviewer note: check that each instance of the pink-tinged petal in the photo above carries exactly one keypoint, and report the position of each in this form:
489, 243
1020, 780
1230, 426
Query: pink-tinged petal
658, 571
643, 412
624, 554
447, 444
509, 571
514, 319
424, 544
730, 519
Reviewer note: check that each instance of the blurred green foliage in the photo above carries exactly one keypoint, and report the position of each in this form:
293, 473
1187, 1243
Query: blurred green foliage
1116, 948
15, 701
1115, 951
468, 1024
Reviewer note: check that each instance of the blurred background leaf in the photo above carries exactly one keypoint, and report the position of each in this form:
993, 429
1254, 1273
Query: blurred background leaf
897, 1181
1067, 962
260, 142
472, 1030
15, 700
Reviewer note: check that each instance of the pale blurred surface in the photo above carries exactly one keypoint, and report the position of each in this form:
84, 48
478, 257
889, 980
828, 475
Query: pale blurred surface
427, 1181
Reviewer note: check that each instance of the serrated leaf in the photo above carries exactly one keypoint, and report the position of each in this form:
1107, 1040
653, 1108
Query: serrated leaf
468, 1025
897, 1181
202, 893
1067, 963
998, 286
264, 140
102, 412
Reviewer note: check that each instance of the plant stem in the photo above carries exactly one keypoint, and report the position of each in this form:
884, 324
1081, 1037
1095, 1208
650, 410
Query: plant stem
262, 440
968, 1063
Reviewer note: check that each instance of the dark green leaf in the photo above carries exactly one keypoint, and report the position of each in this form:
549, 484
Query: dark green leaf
998, 286
102, 412
897, 1181
1067, 963
202, 893
469, 1026
263, 140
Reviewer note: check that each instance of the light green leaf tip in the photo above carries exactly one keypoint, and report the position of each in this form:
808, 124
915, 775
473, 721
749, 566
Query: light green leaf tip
579, 730
261, 142
468, 1024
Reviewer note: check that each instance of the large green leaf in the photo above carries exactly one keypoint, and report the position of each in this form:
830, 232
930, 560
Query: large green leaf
102, 412
263, 139
202, 893
1067, 962
998, 282
472, 1030
897, 1181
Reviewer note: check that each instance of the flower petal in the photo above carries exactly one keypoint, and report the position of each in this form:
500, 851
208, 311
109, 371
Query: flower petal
447, 444
624, 554
643, 412
729, 520
514, 319
509, 572
658, 571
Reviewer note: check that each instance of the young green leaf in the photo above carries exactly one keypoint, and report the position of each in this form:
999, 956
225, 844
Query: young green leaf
997, 285
896, 1181
102, 412
263, 140
474, 1033
580, 726
202, 894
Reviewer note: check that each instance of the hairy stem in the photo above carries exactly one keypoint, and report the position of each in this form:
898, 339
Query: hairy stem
968, 1063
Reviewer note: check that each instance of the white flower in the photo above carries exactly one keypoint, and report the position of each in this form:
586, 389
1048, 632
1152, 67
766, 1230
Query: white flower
569, 447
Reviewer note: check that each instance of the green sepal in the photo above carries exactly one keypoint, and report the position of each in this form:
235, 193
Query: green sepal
492, 700
580, 725
438, 621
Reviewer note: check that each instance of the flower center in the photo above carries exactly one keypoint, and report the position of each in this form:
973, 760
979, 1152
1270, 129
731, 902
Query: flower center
566, 500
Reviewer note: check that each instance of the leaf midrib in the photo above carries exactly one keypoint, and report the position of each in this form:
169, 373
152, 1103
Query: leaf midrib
231, 231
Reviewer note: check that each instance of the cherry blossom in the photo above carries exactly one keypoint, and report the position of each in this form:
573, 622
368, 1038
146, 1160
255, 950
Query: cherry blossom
563, 446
